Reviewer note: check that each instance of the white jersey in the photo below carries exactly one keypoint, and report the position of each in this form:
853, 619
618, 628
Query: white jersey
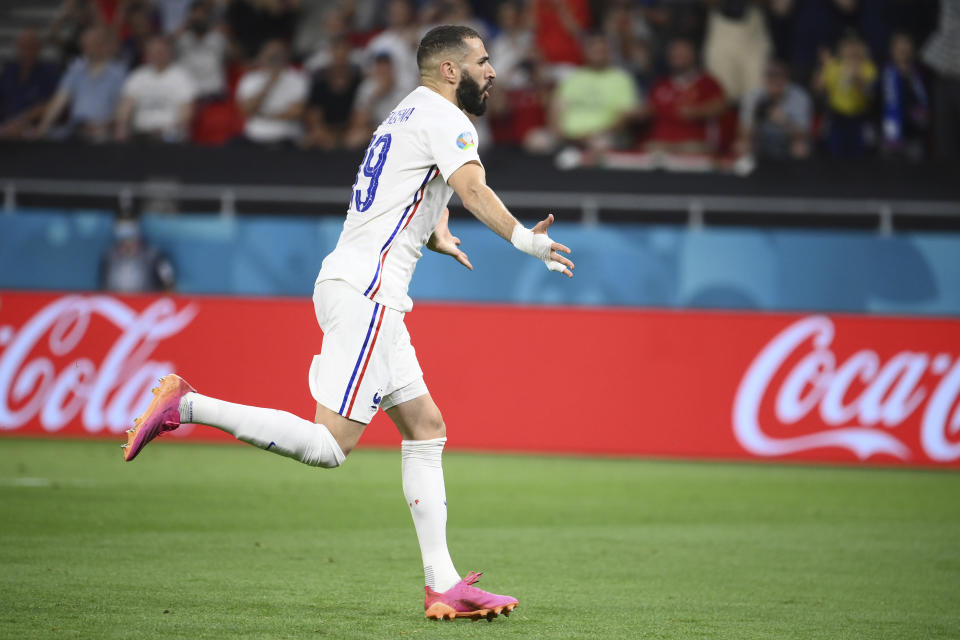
397, 200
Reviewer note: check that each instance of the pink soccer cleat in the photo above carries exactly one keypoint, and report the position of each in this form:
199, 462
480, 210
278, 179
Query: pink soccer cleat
463, 600
161, 416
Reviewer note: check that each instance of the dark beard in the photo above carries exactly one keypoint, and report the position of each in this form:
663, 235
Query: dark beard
470, 96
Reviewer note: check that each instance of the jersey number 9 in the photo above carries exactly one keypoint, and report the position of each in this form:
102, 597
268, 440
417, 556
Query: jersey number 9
371, 168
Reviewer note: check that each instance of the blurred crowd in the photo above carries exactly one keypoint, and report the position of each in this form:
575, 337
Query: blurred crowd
697, 78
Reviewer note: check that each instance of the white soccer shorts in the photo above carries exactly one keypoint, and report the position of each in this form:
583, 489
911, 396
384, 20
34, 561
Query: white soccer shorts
366, 361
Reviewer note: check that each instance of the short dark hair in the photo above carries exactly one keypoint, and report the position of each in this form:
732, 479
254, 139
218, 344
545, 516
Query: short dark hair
441, 39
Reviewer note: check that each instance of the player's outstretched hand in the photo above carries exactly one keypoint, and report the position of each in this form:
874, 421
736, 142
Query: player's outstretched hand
556, 248
442, 241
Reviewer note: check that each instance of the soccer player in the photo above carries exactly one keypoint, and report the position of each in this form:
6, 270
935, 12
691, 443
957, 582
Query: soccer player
423, 151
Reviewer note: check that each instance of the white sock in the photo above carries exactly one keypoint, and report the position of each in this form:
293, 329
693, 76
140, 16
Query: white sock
423, 487
269, 429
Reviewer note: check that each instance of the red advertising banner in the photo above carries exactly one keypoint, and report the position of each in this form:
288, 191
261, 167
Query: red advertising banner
828, 388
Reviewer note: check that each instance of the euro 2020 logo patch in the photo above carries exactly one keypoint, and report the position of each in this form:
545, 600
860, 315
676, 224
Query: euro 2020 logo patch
465, 140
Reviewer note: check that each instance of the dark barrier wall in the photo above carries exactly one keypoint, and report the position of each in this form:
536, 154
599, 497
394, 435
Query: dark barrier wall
814, 388
506, 169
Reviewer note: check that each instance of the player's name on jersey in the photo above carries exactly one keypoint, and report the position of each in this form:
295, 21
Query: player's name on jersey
399, 116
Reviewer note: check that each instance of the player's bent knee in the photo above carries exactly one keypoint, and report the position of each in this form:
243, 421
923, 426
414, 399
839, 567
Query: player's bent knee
345, 443
324, 464
432, 427
322, 450
436, 424
326, 460
440, 429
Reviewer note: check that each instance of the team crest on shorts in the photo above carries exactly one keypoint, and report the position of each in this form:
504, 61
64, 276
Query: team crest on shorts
465, 140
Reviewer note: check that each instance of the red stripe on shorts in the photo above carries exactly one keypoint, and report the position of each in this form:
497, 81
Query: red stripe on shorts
373, 344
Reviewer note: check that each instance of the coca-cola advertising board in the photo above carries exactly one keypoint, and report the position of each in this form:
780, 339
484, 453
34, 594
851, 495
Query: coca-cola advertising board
727, 385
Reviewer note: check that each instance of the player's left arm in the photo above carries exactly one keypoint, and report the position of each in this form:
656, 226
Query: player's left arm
470, 183
442, 241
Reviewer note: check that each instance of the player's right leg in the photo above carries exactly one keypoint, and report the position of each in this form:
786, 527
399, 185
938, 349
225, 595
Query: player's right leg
346, 374
313, 443
325, 443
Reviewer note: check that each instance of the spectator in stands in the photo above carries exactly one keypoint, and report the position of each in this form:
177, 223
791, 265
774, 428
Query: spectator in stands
846, 82
253, 23
781, 16
519, 116
871, 20
737, 46
629, 38
131, 265
157, 99
272, 97
942, 53
311, 32
559, 26
594, 104
684, 104
903, 99
333, 29
202, 50
376, 98
137, 25
399, 41
172, 14
365, 16
521, 103
916, 18
90, 88
333, 91
819, 25
440, 12
26, 85
669, 19
73, 19
775, 119
512, 48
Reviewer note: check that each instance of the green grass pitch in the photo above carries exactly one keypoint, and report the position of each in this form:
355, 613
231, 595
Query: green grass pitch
219, 541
